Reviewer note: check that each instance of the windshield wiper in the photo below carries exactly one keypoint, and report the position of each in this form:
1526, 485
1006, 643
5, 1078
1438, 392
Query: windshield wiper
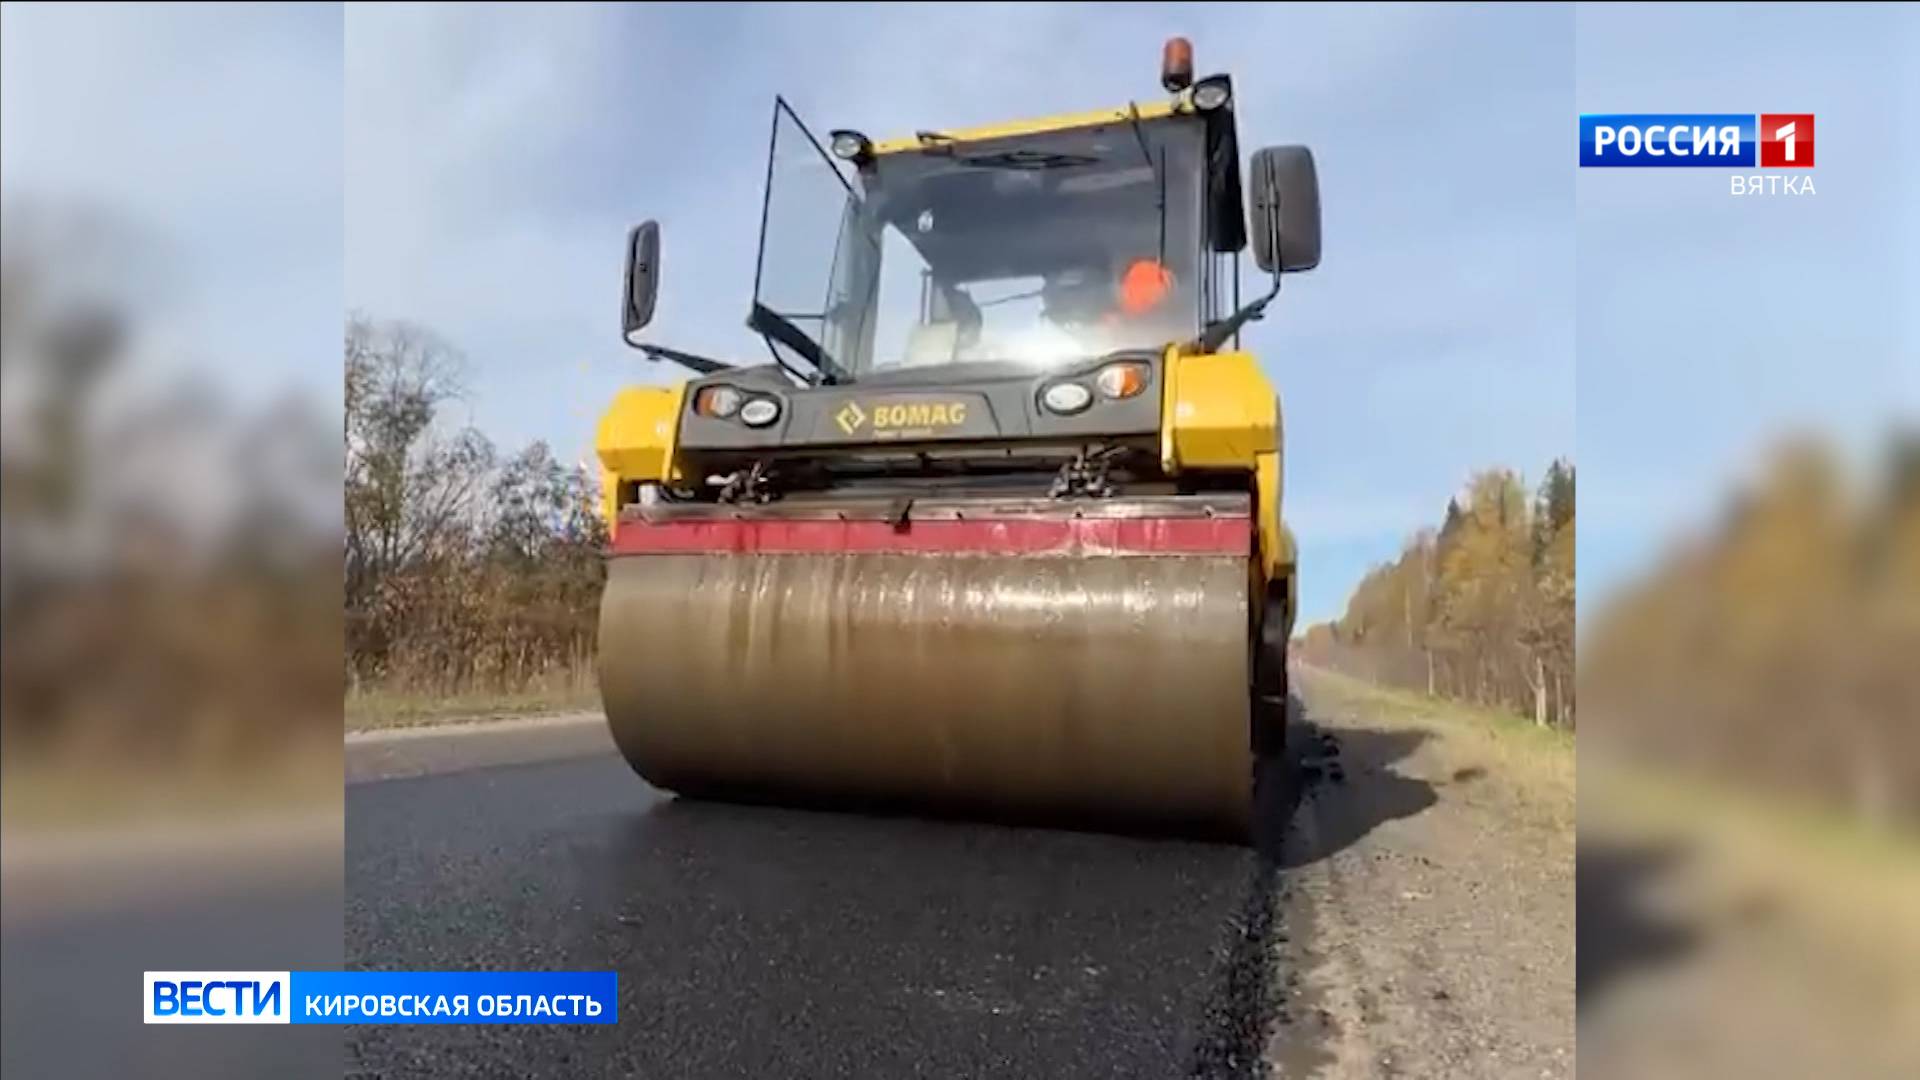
1028, 160
776, 327
1159, 176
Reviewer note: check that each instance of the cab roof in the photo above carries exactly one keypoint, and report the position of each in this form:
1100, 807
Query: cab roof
1152, 110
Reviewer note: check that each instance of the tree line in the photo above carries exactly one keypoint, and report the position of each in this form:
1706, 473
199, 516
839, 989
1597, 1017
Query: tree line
169, 551
1480, 609
467, 569
1776, 648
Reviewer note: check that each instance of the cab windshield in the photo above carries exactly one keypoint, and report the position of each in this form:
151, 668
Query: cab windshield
1039, 250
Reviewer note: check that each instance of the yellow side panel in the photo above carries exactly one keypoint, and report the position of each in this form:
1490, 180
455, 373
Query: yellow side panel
1218, 413
1276, 540
609, 497
636, 439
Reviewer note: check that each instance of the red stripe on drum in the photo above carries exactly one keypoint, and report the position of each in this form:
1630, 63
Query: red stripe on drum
1046, 536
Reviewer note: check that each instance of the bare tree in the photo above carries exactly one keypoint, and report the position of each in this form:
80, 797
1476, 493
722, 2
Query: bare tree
463, 571
411, 490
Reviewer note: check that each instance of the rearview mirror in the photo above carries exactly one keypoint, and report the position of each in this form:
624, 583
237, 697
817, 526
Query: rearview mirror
1286, 209
643, 278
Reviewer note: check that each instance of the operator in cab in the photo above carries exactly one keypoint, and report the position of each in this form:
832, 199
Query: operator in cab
1082, 300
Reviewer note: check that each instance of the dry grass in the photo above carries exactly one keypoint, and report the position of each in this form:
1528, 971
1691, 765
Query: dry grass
1525, 771
400, 703
1805, 957
1860, 882
78, 790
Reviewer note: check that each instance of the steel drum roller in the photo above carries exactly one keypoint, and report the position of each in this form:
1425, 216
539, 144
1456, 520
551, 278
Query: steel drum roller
1107, 688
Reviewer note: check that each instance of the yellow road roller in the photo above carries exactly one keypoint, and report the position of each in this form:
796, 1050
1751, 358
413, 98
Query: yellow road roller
993, 524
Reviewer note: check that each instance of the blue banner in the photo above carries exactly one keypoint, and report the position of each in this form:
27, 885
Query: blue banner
1667, 140
453, 997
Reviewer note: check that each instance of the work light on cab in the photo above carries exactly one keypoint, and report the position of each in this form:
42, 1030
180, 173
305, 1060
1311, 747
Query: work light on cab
1210, 94
851, 146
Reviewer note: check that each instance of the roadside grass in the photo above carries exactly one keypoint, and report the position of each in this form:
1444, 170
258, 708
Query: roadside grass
1638, 794
1856, 883
1502, 761
80, 791
399, 703
1802, 918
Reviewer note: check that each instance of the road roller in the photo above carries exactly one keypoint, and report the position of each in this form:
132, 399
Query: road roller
988, 519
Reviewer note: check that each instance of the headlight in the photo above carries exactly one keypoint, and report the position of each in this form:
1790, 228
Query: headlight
1210, 94
760, 412
1121, 380
721, 401
1066, 398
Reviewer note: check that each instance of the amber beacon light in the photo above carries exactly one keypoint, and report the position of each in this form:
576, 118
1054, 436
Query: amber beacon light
1176, 64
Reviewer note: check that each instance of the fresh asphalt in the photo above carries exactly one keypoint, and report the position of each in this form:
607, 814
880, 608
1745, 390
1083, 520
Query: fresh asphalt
761, 941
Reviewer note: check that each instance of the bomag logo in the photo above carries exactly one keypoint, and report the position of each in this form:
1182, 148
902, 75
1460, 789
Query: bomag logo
905, 415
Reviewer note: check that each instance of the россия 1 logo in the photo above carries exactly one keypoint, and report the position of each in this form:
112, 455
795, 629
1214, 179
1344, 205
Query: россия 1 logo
1705, 141
1786, 140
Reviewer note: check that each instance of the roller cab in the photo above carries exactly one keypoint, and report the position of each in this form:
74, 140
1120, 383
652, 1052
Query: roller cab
994, 525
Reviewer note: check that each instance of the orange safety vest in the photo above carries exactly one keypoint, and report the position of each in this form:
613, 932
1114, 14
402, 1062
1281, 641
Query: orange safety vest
1144, 284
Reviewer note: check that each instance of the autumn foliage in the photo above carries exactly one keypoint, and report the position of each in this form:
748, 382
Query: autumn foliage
169, 575
1479, 610
1778, 648
466, 570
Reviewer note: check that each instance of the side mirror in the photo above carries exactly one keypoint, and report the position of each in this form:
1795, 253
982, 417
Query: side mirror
1286, 209
643, 279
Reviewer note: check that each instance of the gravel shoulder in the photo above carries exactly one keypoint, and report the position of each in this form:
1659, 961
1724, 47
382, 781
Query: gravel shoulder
1427, 898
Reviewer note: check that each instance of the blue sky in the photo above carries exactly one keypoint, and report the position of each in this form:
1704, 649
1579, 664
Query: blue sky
1710, 326
495, 157
213, 132
475, 169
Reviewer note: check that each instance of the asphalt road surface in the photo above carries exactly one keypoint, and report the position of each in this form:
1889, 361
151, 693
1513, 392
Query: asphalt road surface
82, 917
1414, 917
757, 941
